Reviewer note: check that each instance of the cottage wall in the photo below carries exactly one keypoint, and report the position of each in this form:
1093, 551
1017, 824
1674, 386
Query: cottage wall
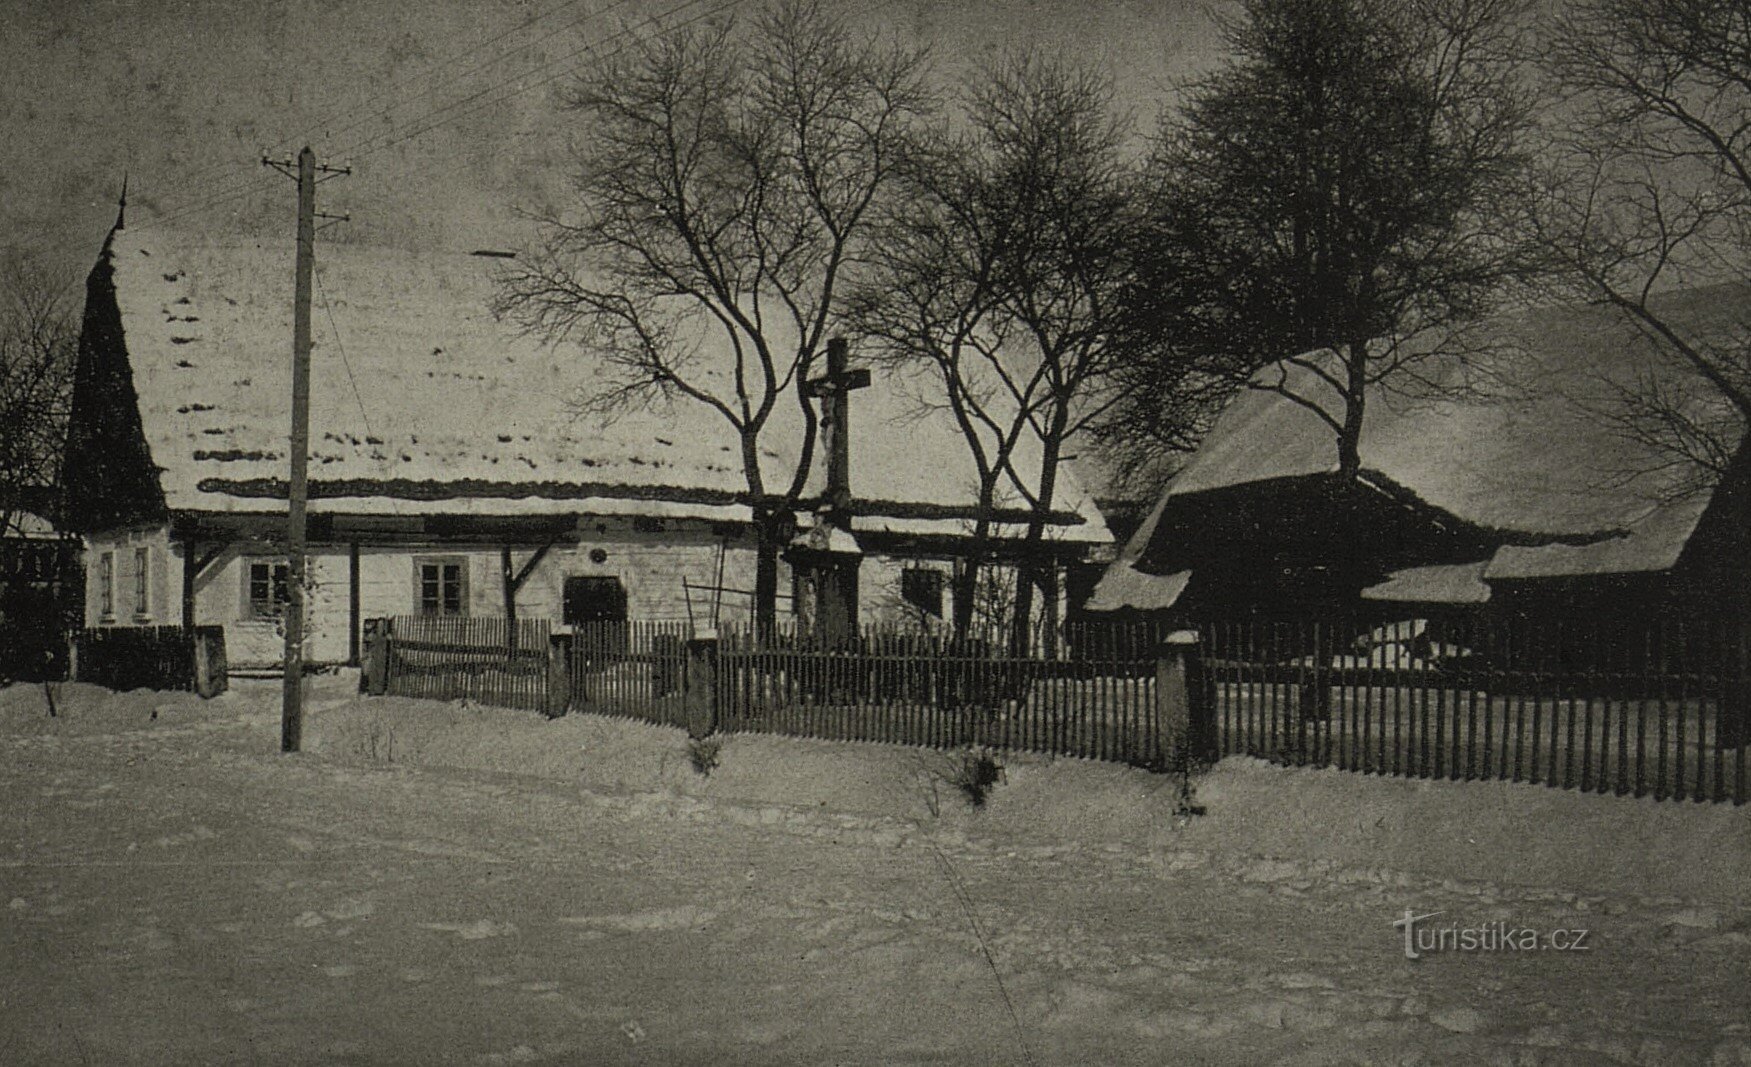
651, 563
670, 571
126, 549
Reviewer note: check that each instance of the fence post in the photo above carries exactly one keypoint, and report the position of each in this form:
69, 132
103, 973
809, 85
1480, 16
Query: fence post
1734, 707
558, 698
374, 672
1182, 705
699, 686
212, 675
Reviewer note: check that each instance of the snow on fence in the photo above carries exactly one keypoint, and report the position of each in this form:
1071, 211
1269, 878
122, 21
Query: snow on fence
1648, 710
482, 658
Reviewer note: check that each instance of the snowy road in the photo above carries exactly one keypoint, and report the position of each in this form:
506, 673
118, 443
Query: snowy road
176, 892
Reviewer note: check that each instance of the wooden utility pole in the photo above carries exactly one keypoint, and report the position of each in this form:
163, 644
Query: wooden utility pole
292, 684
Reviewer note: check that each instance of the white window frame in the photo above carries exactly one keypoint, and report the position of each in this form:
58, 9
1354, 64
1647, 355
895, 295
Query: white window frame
272, 608
420, 564
106, 585
142, 581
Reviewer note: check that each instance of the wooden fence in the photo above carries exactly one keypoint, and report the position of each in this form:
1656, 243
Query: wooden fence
152, 657
1096, 700
1650, 711
629, 669
1632, 710
480, 658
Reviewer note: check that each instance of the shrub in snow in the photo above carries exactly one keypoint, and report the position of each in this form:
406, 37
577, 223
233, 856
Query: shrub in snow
977, 771
702, 752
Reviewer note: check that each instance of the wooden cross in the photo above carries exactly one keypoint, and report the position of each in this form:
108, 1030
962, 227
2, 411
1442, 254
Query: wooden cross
835, 388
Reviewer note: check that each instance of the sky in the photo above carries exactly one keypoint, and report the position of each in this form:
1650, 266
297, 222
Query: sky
444, 109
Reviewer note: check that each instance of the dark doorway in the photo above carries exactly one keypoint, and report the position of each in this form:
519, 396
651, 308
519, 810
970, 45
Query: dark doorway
594, 600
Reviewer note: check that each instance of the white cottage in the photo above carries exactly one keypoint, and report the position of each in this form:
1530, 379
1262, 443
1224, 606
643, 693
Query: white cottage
449, 472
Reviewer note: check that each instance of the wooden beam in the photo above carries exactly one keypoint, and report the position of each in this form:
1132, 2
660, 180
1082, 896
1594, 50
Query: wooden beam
194, 570
529, 567
208, 560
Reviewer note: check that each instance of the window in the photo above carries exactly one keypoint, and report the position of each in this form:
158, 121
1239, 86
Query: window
269, 588
594, 599
142, 581
106, 585
922, 589
443, 587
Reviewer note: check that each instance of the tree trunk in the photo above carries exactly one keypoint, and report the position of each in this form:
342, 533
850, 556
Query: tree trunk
1355, 401
768, 538
967, 581
1032, 570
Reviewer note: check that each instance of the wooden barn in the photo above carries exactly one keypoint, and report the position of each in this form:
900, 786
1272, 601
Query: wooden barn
1508, 472
449, 471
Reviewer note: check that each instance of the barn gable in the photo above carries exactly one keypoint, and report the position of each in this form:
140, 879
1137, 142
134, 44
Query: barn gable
1509, 445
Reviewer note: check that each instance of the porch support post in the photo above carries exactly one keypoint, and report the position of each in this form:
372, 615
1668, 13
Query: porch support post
354, 623
194, 569
189, 566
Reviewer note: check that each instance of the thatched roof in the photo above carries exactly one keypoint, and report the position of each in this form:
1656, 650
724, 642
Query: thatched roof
1510, 430
422, 401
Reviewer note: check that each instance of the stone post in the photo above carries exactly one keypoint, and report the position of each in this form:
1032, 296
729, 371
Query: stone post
374, 664
700, 686
558, 699
1183, 710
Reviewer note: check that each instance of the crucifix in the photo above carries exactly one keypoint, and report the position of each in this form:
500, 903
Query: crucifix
834, 390
827, 557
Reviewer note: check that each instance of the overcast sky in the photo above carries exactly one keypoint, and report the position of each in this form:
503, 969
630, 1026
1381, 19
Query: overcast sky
185, 95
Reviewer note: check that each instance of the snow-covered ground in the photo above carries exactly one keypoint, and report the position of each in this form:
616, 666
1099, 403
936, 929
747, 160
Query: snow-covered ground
436, 883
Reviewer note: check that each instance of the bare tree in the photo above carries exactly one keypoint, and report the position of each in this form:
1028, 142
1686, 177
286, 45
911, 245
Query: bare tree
38, 330
1654, 193
724, 177
999, 269
1353, 177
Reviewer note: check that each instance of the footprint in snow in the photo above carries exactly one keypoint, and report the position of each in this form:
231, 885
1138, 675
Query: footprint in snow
478, 930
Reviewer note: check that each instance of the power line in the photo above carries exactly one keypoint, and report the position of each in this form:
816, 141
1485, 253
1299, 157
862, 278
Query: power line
358, 149
452, 168
221, 191
431, 69
501, 57
341, 347
237, 193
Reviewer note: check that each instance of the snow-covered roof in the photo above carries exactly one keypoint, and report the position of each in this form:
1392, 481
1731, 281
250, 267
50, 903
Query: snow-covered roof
423, 401
1442, 583
1511, 430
